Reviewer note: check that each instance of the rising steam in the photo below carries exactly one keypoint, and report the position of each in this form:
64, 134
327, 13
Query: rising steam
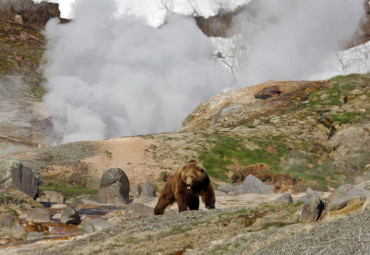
290, 39
109, 76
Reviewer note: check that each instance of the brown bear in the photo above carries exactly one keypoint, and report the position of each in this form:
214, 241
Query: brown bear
185, 187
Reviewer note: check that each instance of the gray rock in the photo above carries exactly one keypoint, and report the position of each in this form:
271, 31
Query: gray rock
138, 210
347, 198
95, 225
70, 216
10, 226
220, 193
312, 207
50, 196
254, 185
136, 190
112, 194
113, 175
114, 187
148, 190
308, 194
238, 190
285, 198
226, 188
341, 191
39, 215
14, 174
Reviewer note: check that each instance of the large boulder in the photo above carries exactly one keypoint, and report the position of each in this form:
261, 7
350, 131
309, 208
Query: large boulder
50, 196
148, 190
39, 215
347, 198
253, 185
14, 174
112, 194
312, 208
9, 226
70, 216
114, 187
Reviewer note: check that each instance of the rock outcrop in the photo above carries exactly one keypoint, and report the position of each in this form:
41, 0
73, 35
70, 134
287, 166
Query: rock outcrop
148, 190
347, 198
253, 185
114, 187
14, 174
312, 208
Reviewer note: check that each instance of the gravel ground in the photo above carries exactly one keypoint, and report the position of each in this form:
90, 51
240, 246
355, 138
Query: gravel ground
350, 235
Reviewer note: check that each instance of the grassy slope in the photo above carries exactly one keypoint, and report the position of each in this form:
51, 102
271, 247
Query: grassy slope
313, 165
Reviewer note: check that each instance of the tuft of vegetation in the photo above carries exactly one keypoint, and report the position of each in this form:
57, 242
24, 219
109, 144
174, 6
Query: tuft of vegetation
70, 191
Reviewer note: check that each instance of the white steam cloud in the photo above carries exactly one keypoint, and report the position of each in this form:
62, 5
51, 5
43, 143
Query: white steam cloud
109, 76
290, 39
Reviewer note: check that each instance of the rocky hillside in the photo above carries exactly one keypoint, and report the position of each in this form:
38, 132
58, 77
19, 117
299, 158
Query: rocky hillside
291, 135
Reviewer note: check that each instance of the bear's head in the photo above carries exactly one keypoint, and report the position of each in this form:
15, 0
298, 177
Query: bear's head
193, 173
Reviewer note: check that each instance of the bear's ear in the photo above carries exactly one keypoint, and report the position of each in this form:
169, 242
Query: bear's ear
192, 161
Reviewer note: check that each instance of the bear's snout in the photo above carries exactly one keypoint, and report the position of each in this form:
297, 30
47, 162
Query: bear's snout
189, 182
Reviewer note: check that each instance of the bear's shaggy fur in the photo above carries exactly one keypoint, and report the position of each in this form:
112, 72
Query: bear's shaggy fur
185, 187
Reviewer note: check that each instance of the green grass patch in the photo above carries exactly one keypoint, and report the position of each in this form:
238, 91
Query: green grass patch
225, 151
70, 191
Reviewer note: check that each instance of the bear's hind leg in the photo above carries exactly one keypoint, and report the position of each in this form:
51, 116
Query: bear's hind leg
208, 197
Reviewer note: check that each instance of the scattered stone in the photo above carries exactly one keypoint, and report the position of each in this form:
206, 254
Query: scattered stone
71, 200
324, 96
253, 185
38, 215
95, 225
14, 174
285, 198
148, 190
312, 207
138, 210
58, 206
136, 190
70, 216
347, 198
57, 216
18, 19
9, 226
50, 196
114, 187
226, 188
